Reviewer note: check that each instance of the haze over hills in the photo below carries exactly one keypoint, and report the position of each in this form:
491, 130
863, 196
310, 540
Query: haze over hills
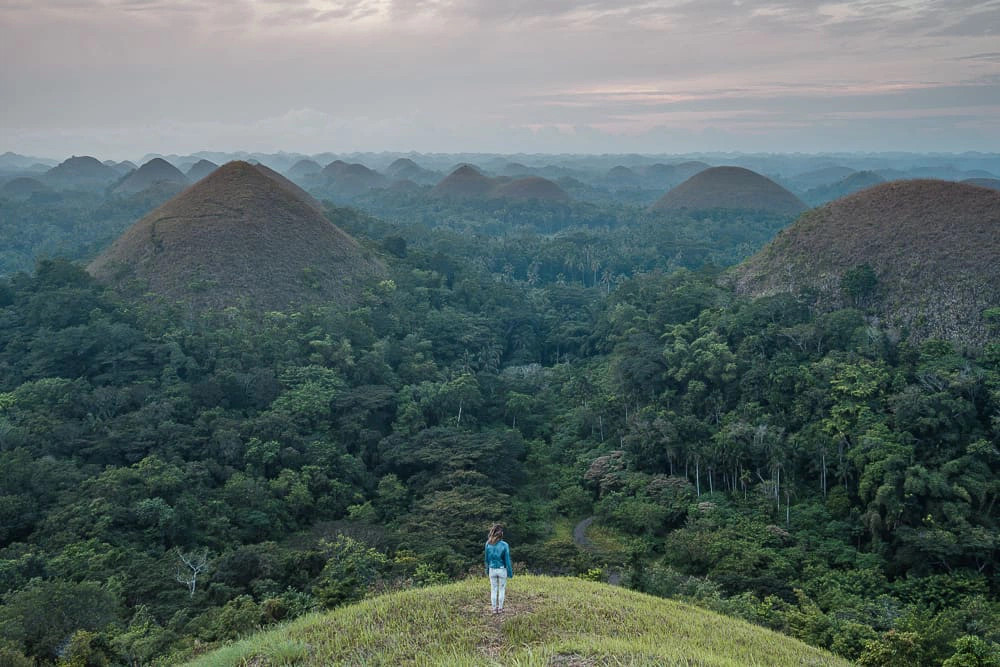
240, 235
23, 187
854, 182
934, 247
733, 188
156, 171
992, 183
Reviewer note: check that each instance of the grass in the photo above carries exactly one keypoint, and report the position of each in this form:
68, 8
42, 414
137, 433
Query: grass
547, 621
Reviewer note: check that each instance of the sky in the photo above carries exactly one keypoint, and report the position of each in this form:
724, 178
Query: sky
121, 78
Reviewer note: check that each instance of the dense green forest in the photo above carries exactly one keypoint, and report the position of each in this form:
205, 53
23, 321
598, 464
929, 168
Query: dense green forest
173, 480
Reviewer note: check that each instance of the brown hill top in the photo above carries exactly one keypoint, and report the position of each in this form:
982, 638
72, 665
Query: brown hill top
153, 172
464, 182
934, 247
730, 188
241, 236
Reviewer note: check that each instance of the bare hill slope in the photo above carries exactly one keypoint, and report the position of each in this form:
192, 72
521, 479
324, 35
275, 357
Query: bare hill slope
730, 188
934, 247
242, 235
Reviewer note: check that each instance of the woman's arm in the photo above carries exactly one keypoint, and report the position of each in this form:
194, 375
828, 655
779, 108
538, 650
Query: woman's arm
506, 557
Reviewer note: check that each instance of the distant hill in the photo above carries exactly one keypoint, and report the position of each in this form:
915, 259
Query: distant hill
991, 183
123, 167
14, 162
934, 247
532, 187
23, 188
80, 172
820, 177
200, 170
154, 172
622, 176
351, 180
732, 188
406, 169
546, 621
856, 182
242, 235
660, 176
467, 182
303, 169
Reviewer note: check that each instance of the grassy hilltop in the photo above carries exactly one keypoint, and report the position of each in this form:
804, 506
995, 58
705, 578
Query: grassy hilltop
547, 621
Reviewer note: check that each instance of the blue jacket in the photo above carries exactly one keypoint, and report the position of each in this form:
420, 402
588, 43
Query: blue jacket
498, 555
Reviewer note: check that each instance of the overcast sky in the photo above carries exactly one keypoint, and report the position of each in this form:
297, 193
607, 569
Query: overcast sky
119, 78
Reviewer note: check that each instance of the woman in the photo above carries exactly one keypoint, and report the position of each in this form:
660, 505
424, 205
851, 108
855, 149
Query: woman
497, 567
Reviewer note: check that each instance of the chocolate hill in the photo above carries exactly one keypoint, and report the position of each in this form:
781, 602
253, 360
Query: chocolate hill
621, 176
23, 188
407, 169
200, 170
934, 247
241, 236
733, 188
464, 183
467, 182
80, 172
304, 168
156, 171
532, 187
351, 179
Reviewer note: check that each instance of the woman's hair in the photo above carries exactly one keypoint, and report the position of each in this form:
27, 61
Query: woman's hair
496, 533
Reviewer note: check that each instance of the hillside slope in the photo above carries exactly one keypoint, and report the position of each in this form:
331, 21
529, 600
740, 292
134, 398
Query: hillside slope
934, 247
733, 188
547, 621
242, 235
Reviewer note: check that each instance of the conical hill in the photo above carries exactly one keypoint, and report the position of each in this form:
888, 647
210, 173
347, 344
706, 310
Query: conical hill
531, 187
241, 236
153, 172
467, 182
464, 182
933, 249
200, 170
733, 188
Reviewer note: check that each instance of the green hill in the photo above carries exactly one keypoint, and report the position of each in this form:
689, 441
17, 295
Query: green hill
547, 621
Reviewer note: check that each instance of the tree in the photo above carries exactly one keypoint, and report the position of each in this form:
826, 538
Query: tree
192, 565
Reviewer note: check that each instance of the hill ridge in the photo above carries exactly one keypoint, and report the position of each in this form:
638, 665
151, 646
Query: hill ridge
547, 620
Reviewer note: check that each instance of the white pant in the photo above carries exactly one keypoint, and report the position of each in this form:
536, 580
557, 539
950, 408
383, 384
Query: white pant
498, 586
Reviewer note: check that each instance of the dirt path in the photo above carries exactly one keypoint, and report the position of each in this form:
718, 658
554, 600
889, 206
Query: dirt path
580, 534
582, 541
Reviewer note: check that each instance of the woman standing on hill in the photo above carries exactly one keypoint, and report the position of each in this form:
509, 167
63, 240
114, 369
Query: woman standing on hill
497, 566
